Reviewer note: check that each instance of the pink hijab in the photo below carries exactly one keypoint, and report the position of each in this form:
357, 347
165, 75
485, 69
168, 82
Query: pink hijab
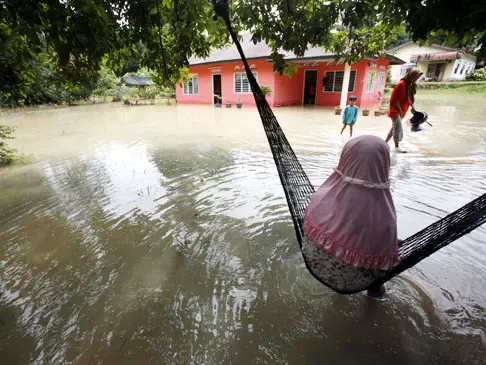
352, 215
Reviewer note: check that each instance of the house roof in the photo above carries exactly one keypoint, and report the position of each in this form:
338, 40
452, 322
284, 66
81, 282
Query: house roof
440, 56
262, 50
444, 48
137, 80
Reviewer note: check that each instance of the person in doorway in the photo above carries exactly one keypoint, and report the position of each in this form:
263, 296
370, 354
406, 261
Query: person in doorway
402, 97
312, 94
350, 115
350, 226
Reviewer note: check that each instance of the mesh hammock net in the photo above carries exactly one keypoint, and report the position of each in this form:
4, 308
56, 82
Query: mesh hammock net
298, 188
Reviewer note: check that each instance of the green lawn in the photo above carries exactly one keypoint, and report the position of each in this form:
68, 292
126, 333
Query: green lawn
453, 88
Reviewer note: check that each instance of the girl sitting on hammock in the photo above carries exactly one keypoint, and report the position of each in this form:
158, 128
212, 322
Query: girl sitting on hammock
350, 224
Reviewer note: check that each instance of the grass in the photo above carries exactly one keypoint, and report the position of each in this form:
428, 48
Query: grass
466, 88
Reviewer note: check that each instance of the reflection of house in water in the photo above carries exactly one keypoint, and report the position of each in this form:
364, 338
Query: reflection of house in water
438, 63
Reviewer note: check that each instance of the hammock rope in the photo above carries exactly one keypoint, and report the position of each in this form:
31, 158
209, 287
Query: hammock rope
298, 188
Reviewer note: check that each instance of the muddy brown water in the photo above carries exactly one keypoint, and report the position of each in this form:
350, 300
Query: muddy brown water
161, 235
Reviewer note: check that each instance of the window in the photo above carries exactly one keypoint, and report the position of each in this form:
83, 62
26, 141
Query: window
242, 85
381, 81
191, 86
462, 69
458, 64
352, 81
333, 81
371, 81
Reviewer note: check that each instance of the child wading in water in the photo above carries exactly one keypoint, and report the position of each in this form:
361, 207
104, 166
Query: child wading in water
350, 115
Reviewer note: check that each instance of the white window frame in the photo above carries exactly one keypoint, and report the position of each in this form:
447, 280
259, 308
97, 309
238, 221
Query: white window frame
334, 81
249, 86
370, 84
457, 66
186, 85
381, 81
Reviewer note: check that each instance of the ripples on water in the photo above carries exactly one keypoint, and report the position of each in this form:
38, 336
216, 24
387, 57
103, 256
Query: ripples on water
160, 235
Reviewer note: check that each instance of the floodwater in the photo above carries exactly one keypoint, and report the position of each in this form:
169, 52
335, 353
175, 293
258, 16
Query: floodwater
160, 235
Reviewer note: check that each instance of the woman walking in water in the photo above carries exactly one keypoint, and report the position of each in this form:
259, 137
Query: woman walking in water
402, 97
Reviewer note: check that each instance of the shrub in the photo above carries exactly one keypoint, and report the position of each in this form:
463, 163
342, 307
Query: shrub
478, 75
266, 90
7, 154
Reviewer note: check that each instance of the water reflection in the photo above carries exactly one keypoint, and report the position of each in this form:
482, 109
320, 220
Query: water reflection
164, 237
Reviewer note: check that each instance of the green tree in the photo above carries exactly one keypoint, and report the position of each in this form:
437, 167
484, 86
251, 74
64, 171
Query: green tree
162, 34
107, 83
458, 23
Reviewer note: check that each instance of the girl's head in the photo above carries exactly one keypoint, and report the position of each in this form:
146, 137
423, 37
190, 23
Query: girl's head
352, 100
413, 76
366, 158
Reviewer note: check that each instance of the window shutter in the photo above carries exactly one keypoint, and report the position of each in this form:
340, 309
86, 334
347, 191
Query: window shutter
245, 85
352, 81
330, 81
189, 87
237, 82
338, 81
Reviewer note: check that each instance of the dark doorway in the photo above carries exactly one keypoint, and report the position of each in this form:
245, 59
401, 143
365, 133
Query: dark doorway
217, 90
310, 87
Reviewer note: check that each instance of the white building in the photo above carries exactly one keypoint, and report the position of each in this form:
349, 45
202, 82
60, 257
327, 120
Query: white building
438, 63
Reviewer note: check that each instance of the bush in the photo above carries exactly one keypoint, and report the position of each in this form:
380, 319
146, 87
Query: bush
478, 75
107, 83
7, 154
149, 92
266, 90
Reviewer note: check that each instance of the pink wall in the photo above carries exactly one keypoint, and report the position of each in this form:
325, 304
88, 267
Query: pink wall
227, 70
288, 91
330, 98
371, 99
205, 88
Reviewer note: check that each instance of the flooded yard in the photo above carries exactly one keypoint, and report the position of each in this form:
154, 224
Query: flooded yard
161, 235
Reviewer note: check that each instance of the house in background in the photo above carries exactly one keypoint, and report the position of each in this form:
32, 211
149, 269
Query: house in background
137, 81
438, 63
319, 79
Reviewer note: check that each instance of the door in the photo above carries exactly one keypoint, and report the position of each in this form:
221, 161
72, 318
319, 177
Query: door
310, 87
217, 90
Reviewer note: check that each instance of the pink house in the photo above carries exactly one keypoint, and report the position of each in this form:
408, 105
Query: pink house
319, 78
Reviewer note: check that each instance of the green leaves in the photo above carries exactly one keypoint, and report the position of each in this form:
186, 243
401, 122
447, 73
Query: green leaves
162, 34
7, 154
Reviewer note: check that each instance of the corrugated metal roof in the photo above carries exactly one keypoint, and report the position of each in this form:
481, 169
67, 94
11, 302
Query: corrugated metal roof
439, 56
137, 80
262, 50
253, 51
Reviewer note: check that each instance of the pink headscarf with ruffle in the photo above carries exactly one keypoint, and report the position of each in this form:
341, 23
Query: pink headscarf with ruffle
352, 215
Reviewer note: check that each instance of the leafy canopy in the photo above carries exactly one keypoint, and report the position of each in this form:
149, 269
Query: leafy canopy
162, 34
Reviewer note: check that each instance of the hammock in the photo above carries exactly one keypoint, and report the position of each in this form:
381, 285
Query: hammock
298, 188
